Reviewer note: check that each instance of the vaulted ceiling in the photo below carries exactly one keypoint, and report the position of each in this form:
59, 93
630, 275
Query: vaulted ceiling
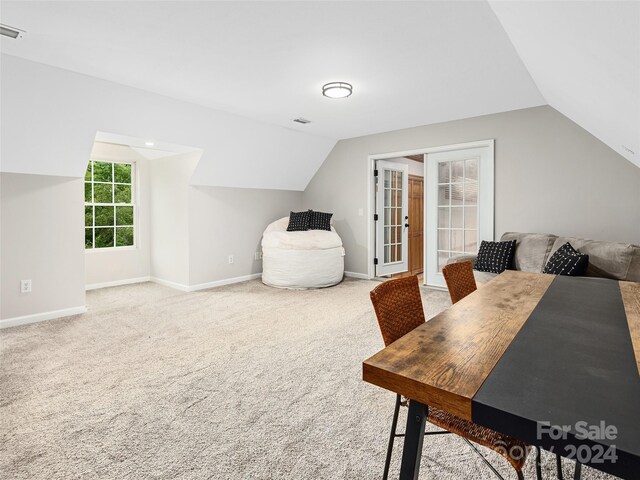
411, 63
585, 59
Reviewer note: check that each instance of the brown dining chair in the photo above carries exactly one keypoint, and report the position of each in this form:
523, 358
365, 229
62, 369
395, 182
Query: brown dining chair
460, 280
398, 307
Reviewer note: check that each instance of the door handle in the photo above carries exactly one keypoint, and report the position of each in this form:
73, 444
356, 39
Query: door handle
406, 225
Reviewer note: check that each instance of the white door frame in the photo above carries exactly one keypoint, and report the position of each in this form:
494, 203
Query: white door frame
401, 266
371, 205
485, 200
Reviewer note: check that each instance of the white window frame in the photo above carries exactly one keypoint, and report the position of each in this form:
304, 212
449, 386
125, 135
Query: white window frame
134, 204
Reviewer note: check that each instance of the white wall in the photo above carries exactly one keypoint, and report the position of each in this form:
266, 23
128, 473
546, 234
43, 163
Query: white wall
550, 176
42, 240
114, 265
186, 234
47, 109
230, 221
169, 201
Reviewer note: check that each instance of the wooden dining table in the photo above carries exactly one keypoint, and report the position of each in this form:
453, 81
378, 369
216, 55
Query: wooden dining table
553, 361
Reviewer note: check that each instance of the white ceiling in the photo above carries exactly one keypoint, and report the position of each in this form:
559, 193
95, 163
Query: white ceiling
411, 63
585, 59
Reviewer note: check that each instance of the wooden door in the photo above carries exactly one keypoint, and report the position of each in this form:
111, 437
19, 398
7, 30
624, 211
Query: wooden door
416, 224
416, 227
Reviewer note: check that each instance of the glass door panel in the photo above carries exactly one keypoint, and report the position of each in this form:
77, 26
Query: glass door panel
391, 227
458, 205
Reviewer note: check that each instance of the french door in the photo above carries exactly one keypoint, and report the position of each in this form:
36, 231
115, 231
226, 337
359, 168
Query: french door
459, 205
392, 220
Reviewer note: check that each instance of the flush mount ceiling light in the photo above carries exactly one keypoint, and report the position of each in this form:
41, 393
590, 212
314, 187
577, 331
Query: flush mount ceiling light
337, 90
149, 143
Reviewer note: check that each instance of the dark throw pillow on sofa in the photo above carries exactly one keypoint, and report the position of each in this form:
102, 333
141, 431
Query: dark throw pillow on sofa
299, 221
495, 257
320, 221
567, 261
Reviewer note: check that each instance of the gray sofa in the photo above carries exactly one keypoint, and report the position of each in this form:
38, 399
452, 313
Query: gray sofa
620, 261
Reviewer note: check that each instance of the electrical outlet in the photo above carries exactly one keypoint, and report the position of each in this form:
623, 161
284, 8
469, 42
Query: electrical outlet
25, 286
257, 256
230, 259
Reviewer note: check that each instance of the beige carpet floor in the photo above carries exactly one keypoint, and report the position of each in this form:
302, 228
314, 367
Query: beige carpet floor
239, 382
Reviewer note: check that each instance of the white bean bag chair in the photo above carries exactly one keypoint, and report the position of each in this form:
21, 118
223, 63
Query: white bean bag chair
311, 259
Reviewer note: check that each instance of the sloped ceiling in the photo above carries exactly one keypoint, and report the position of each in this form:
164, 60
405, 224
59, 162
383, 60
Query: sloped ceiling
145, 148
585, 59
50, 116
411, 63
229, 77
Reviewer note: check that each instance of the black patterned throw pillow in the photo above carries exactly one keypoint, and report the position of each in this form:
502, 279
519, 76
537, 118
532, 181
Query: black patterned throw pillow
495, 257
299, 221
320, 221
567, 261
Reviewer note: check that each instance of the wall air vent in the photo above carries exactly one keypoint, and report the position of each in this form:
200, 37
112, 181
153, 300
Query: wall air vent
11, 32
301, 120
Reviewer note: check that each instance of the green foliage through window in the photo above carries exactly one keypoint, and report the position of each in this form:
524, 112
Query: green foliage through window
102, 192
102, 172
124, 215
104, 237
122, 193
109, 212
122, 172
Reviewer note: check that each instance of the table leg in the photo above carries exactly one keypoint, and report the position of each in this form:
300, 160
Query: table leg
414, 436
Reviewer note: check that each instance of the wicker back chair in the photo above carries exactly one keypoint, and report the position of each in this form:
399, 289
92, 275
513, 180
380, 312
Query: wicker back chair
460, 280
398, 307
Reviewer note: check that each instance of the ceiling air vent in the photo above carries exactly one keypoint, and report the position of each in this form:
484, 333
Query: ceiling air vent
11, 32
301, 120
628, 150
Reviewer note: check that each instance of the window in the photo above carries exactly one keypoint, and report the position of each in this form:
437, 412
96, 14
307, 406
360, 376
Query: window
392, 218
109, 207
457, 208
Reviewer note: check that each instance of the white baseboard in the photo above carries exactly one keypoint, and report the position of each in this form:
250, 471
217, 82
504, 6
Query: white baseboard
41, 317
204, 286
117, 283
227, 281
168, 283
362, 276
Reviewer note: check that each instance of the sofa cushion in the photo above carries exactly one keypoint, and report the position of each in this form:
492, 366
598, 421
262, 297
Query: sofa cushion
495, 257
567, 261
608, 259
532, 250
